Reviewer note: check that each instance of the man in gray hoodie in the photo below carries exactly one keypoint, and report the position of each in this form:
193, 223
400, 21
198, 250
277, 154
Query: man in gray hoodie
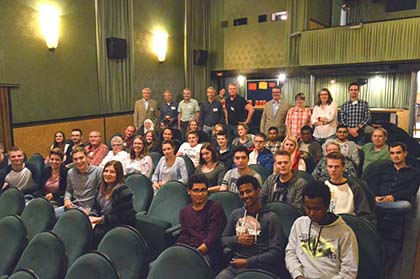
253, 234
321, 244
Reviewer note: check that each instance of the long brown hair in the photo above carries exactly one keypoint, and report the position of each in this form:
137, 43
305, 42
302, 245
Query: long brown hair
144, 150
107, 189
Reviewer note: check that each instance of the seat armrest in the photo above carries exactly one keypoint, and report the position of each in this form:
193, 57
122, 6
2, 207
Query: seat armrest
174, 231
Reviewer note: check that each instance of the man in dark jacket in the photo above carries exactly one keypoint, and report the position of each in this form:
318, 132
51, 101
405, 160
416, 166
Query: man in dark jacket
254, 235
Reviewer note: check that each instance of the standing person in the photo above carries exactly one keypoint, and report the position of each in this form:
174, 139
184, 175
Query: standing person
191, 148
237, 111
274, 113
211, 112
113, 205
138, 160
169, 110
355, 114
83, 182
221, 96
170, 167
145, 108
254, 235
298, 116
321, 244
261, 155
202, 222
188, 109
96, 150
210, 167
324, 116
54, 178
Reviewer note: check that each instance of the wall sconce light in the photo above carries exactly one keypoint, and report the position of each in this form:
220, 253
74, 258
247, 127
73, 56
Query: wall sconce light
49, 19
160, 45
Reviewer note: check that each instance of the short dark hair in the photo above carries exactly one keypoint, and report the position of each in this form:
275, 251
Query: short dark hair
354, 83
248, 179
198, 179
342, 126
273, 128
224, 134
261, 135
399, 143
300, 96
171, 142
241, 148
337, 156
282, 152
306, 128
276, 87
78, 130
192, 133
317, 189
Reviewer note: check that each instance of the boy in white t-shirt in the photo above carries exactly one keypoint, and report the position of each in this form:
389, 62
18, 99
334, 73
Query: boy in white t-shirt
191, 148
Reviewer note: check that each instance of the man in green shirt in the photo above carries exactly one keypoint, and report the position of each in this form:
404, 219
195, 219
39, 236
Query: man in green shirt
377, 149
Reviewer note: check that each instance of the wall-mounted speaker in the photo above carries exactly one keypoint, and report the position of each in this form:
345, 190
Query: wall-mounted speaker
116, 48
200, 56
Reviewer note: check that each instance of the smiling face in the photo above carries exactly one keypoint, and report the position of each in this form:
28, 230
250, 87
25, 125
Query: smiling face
167, 97
59, 137
55, 161
129, 131
149, 138
80, 161
323, 97
117, 146
378, 138
193, 125
146, 94
192, 139
249, 195
168, 150
221, 140
167, 134
94, 138
354, 92
331, 148
210, 94
109, 175
138, 145
342, 133
276, 93
76, 137
206, 155
186, 94
16, 159
233, 91
198, 193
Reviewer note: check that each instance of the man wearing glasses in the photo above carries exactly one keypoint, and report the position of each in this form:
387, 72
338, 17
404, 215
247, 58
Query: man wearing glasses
202, 222
261, 155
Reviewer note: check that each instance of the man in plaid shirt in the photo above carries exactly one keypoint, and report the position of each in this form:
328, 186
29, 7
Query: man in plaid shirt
355, 114
273, 144
298, 116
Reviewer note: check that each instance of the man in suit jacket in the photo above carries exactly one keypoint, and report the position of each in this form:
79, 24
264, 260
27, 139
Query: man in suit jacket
274, 113
145, 108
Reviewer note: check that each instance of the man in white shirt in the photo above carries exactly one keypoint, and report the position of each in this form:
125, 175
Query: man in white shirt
191, 148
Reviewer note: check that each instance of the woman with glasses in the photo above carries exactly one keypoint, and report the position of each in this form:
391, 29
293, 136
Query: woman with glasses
138, 160
324, 116
117, 153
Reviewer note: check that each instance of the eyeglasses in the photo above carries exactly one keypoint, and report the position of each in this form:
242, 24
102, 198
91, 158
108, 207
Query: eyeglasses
196, 191
116, 144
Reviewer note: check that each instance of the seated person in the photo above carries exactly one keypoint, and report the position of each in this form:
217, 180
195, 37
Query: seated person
394, 183
113, 206
148, 125
76, 139
128, 137
193, 127
307, 145
4, 158
254, 235
225, 150
347, 195
243, 139
83, 182
60, 142
168, 134
273, 144
138, 160
240, 158
117, 153
290, 144
321, 244
321, 172
191, 148
170, 167
218, 128
20, 174
284, 185
261, 155
153, 143
54, 178
377, 149
210, 167
96, 150
202, 222
348, 148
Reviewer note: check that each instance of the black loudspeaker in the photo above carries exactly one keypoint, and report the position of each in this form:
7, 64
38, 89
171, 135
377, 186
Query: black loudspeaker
200, 56
116, 48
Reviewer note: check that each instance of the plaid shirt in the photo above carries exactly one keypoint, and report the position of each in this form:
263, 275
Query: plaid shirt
354, 114
297, 118
273, 147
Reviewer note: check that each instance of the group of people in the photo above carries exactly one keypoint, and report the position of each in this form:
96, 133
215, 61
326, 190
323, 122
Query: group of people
311, 161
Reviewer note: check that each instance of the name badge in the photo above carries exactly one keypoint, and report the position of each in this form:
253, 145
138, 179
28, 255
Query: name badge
232, 108
173, 108
215, 109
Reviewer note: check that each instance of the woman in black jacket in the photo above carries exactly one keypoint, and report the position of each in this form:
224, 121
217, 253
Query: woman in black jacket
114, 203
54, 178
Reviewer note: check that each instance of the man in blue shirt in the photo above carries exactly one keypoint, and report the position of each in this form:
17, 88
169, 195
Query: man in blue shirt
169, 110
211, 112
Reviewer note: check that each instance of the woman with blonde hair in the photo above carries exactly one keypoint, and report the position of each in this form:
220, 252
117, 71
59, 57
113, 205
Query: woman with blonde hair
290, 144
